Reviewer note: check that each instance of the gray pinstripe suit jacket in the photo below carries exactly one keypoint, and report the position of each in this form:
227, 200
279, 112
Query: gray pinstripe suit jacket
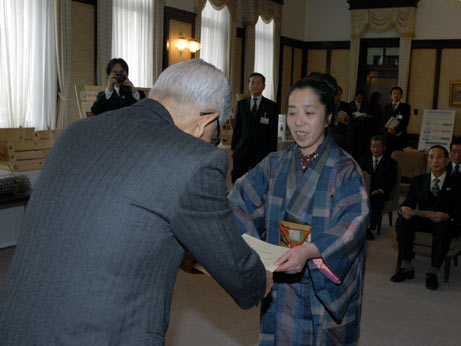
119, 199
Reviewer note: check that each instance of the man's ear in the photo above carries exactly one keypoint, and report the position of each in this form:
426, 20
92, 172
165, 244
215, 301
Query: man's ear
203, 122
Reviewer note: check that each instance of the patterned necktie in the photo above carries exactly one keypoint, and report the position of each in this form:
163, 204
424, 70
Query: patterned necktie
435, 187
254, 109
375, 164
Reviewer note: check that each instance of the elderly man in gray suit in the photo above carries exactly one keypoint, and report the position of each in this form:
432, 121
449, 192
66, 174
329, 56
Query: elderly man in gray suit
120, 199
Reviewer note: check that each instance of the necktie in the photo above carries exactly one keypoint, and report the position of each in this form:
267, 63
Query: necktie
435, 187
375, 164
456, 172
254, 109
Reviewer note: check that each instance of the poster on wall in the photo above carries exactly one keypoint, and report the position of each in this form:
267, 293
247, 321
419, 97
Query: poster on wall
436, 128
86, 95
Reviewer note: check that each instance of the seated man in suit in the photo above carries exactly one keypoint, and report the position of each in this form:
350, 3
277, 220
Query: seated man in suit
255, 128
396, 137
454, 167
121, 198
432, 205
383, 171
120, 92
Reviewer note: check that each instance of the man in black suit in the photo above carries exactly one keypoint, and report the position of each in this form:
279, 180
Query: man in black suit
383, 171
255, 128
120, 92
396, 137
432, 205
454, 167
358, 104
338, 127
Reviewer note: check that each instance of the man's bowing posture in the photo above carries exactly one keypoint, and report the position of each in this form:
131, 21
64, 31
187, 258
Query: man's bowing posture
118, 202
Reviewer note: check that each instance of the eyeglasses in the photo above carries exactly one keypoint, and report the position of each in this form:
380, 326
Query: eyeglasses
216, 139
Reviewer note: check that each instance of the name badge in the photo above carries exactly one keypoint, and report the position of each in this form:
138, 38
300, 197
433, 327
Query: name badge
264, 120
399, 116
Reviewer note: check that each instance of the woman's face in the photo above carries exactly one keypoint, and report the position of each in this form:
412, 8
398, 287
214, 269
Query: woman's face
306, 119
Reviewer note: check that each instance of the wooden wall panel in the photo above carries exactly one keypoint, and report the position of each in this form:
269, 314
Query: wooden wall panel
339, 68
422, 81
286, 77
83, 53
316, 60
450, 70
297, 65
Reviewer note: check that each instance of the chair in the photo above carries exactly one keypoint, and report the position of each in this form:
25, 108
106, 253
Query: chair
412, 163
393, 202
423, 247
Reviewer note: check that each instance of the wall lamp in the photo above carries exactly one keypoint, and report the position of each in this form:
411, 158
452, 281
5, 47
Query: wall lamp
182, 43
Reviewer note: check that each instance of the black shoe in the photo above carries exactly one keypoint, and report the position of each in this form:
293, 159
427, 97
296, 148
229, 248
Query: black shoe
432, 283
370, 235
402, 275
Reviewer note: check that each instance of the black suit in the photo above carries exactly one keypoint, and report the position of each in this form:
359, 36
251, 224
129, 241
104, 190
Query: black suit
252, 137
399, 140
353, 107
419, 196
116, 101
383, 178
339, 130
451, 171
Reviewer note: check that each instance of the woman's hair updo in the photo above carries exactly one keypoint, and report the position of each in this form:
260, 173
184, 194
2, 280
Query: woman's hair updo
324, 85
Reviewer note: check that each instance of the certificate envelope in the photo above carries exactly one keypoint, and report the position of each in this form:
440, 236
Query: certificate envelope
268, 253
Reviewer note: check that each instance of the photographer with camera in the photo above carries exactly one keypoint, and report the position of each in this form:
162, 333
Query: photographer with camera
120, 92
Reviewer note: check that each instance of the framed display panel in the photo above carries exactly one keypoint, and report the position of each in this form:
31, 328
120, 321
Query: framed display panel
455, 93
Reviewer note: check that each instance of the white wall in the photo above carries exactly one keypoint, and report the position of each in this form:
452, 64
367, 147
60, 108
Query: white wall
327, 20
438, 19
293, 19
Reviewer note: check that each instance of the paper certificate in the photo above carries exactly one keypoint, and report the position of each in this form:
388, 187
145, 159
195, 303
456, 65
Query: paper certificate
268, 253
392, 122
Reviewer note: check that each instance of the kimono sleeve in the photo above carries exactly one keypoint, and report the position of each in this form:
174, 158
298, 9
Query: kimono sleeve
342, 243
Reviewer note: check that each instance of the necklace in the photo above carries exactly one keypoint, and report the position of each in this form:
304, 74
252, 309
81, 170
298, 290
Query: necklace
306, 160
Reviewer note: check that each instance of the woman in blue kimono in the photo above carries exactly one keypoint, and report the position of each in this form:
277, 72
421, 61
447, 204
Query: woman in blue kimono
312, 198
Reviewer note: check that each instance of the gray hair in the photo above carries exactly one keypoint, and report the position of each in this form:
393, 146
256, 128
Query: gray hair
195, 83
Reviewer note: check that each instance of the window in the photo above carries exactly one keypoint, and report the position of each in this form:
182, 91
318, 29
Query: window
28, 64
383, 56
133, 38
215, 36
264, 54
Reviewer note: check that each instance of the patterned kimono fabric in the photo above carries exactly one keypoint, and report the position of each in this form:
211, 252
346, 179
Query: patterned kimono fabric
309, 308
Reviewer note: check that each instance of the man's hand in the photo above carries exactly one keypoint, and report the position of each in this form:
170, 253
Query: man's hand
439, 216
111, 81
407, 213
375, 192
269, 283
128, 83
391, 130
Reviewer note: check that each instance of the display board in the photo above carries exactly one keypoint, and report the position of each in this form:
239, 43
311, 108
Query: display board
436, 128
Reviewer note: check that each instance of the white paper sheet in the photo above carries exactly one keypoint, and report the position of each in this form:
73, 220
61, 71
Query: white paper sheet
268, 253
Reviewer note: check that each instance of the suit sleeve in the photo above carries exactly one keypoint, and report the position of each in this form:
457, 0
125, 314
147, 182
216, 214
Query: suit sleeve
411, 200
237, 127
204, 225
99, 105
406, 118
390, 177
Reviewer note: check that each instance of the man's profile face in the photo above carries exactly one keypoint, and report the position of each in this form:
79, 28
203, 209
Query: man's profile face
256, 85
455, 153
437, 161
396, 96
339, 95
377, 148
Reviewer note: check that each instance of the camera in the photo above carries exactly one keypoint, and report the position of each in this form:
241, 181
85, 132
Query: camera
120, 77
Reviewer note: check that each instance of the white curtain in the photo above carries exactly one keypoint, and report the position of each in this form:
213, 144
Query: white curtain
133, 38
28, 64
214, 36
264, 54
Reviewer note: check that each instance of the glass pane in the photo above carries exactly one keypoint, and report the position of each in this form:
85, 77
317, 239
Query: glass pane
392, 56
375, 56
